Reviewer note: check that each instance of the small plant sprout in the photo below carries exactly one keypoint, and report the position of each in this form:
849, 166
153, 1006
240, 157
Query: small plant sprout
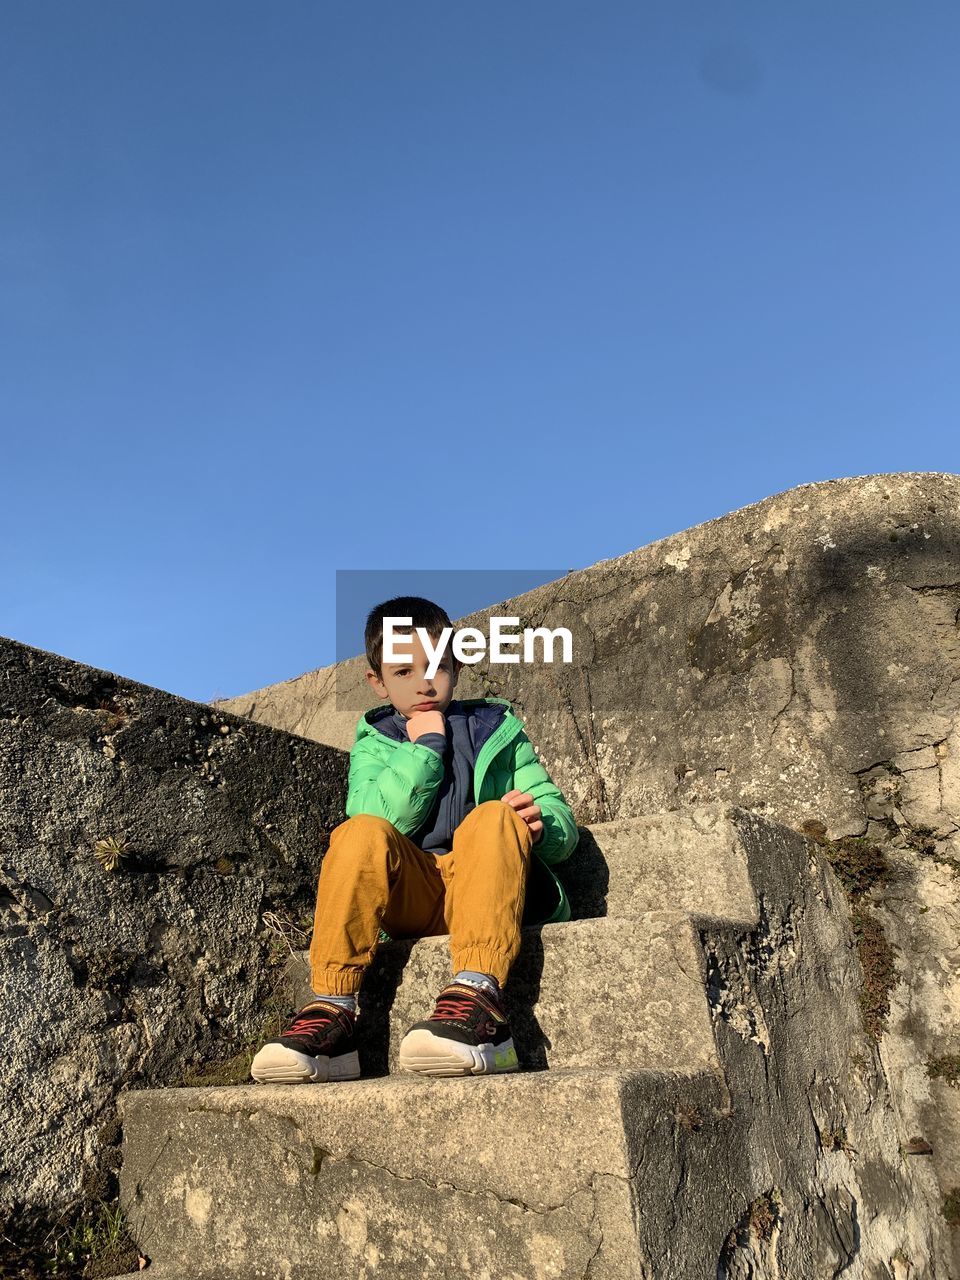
836, 1140
689, 1117
290, 934
111, 851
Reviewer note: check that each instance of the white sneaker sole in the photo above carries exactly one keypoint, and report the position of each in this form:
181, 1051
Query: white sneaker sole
428, 1055
276, 1064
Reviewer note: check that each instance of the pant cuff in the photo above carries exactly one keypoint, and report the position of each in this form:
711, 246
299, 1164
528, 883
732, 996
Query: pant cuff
336, 982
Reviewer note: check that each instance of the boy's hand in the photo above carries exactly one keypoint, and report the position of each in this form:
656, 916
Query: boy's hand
528, 811
422, 722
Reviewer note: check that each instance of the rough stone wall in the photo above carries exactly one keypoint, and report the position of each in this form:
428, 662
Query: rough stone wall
830, 1183
798, 1168
122, 977
772, 658
800, 658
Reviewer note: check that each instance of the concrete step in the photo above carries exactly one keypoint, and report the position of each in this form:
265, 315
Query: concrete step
690, 860
524, 1176
592, 993
543, 1173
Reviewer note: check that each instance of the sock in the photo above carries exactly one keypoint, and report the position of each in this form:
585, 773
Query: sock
483, 980
345, 1002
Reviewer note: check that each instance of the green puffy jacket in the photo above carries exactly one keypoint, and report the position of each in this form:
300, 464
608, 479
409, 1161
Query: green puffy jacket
399, 780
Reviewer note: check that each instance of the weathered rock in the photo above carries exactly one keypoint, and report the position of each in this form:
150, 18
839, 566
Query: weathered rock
799, 657
121, 977
688, 860
767, 658
782, 1158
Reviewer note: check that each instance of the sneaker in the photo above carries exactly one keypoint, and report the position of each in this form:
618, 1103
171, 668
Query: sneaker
317, 1046
466, 1035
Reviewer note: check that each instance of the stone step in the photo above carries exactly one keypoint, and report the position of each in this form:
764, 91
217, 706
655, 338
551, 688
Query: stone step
690, 860
527, 1175
591, 993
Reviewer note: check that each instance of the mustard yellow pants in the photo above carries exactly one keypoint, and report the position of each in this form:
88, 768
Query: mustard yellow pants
374, 877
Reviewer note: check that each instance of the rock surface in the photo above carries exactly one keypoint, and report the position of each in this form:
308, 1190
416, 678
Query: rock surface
799, 657
776, 1155
119, 977
773, 658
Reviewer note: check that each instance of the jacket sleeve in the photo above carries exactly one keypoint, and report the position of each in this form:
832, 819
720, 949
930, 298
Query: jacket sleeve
402, 790
560, 834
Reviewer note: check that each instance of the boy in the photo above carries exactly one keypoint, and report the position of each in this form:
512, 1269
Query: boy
451, 820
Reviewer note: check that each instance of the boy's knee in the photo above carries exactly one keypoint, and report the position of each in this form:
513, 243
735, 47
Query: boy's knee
364, 831
365, 822
492, 811
489, 808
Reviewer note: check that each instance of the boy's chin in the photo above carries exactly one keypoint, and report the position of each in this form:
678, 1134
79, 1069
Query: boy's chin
442, 707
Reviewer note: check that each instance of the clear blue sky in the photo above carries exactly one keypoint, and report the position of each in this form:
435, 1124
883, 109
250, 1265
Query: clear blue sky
291, 289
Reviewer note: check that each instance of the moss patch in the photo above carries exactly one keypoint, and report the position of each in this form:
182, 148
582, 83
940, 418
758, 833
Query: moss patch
861, 866
858, 862
946, 1068
763, 1217
836, 1140
879, 970
951, 1207
756, 1225
923, 840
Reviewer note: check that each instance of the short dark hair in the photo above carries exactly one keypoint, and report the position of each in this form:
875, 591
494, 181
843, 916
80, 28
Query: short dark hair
424, 613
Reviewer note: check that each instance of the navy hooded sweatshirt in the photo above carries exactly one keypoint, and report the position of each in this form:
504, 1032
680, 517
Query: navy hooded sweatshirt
468, 728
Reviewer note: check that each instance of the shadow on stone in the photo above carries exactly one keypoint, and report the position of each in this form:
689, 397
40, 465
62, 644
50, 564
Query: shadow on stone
377, 995
520, 997
586, 878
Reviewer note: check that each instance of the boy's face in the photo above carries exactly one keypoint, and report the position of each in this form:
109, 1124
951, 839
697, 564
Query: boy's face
406, 683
